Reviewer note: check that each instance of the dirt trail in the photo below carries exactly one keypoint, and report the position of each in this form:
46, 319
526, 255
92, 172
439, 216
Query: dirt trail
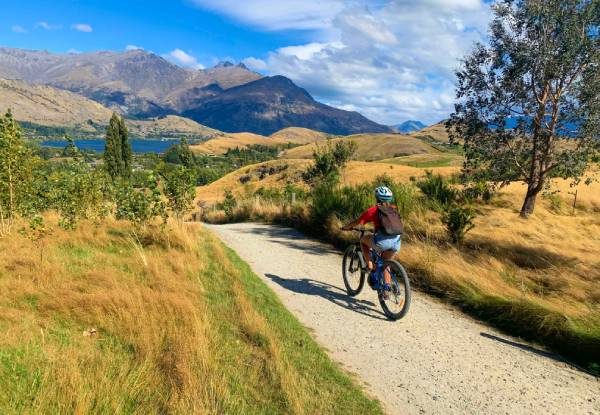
434, 361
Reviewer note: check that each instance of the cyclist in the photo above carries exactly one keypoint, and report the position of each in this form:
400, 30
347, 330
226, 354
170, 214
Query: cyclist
387, 230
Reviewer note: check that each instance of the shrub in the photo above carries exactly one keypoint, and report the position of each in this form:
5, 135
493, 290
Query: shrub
228, 203
180, 190
140, 206
481, 190
330, 160
438, 191
458, 221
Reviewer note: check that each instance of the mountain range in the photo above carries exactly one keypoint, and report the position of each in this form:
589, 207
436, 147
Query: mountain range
141, 84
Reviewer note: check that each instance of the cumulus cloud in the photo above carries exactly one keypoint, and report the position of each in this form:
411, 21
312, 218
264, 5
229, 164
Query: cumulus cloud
82, 27
182, 58
73, 51
133, 47
48, 26
18, 29
392, 62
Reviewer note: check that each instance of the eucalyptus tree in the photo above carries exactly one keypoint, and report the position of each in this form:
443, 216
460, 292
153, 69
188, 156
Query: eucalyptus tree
528, 105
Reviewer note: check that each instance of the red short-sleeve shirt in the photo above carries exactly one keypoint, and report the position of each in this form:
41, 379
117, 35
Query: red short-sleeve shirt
370, 216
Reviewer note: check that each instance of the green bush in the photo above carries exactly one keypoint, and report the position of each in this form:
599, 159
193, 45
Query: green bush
180, 190
329, 160
458, 221
480, 190
438, 191
139, 206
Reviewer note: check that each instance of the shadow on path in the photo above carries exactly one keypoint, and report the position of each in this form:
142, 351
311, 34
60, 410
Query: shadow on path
525, 347
291, 238
330, 292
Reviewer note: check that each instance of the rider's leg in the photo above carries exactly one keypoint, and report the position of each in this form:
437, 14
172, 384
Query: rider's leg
366, 242
387, 255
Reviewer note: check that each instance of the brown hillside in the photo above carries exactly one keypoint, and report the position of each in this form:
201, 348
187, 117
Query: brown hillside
371, 147
299, 135
277, 173
49, 106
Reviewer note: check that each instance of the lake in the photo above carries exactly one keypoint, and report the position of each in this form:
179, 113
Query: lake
137, 146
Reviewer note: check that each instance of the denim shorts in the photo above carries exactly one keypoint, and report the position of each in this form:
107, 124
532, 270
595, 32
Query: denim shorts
387, 243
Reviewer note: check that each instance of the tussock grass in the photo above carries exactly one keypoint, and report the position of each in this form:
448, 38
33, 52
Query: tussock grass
182, 326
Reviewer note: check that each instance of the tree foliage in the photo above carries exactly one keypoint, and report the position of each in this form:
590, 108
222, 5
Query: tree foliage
117, 153
528, 103
330, 160
180, 190
16, 164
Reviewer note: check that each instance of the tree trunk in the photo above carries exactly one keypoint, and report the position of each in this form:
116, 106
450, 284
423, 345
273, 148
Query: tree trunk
533, 189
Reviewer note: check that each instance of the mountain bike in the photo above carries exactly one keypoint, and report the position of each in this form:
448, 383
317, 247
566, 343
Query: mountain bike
394, 299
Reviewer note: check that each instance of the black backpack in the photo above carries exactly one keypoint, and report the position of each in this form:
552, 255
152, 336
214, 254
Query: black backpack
390, 221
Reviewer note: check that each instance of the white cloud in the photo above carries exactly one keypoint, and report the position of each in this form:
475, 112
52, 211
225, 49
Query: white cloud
18, 29
73, 51
256, 64
278, 15
391, 62
182, 58
48, 26
133, 47
82, 27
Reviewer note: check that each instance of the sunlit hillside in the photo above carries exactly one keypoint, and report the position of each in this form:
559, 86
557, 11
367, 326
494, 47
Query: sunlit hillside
371, 147
293, 135
299, 135
276, 174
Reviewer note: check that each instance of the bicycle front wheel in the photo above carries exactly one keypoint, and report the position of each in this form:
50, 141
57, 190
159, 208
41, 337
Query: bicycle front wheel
354, 275
396, 302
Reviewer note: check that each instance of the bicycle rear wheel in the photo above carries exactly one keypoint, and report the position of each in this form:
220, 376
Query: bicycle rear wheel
354, 275
395, 303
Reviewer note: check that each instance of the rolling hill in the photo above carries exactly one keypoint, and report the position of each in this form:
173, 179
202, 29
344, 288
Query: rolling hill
223, 142
371, 147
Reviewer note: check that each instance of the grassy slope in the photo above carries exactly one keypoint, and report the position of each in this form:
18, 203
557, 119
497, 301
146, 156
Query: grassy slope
371, 147
356, 172
224, 142
183, 326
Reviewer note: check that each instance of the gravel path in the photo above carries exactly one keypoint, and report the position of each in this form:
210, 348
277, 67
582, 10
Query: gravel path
434, 361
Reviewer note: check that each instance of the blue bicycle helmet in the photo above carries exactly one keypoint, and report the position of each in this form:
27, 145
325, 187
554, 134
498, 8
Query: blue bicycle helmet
383, 194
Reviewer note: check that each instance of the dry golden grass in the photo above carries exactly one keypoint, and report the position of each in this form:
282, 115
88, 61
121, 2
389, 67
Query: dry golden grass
299, 135
436, 132
182, 326
356, 172
370, 147
222, 143
428, 160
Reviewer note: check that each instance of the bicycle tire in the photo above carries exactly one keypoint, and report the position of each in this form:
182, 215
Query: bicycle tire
351, 259
400, 278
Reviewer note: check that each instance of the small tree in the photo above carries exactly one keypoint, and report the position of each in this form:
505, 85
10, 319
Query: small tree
330, 160
180, 190
529, 105
117, 152
15, 171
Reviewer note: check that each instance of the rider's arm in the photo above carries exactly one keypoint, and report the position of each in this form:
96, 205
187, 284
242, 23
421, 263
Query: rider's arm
351, 225
366, 217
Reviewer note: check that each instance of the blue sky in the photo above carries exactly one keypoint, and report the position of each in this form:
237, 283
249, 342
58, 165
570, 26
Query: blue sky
391, 60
